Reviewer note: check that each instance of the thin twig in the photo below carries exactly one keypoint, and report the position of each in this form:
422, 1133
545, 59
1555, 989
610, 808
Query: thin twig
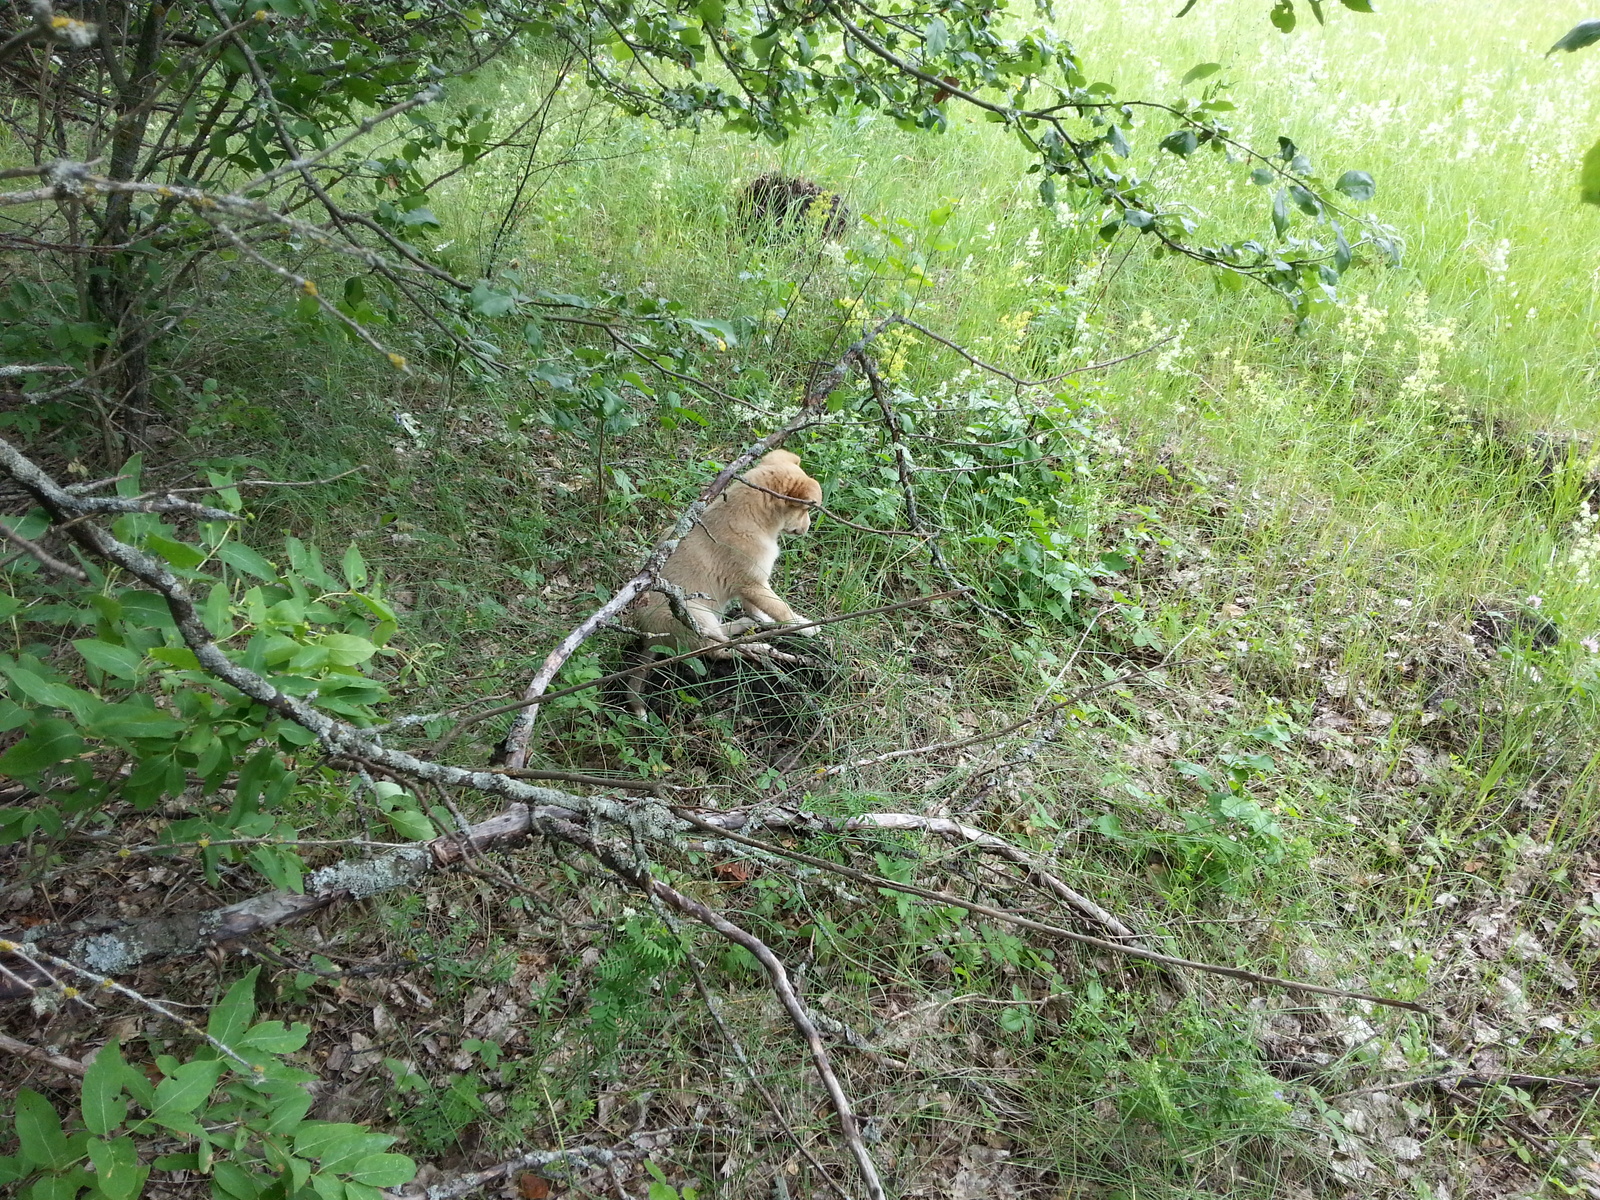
998, 914
42, 556
963, 743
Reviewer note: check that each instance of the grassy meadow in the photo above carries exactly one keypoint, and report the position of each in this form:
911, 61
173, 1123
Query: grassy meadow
1308, 616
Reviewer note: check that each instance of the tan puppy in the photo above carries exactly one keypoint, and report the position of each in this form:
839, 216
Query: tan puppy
729, 556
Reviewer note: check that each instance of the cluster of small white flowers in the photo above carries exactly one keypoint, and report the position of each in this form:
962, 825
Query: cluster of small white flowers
1432, 340
1583, 556
1363, 324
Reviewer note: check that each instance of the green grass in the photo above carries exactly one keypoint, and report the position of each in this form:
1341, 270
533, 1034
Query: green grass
1316, 514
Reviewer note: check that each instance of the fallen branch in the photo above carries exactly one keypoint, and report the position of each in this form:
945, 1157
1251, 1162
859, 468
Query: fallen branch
879, 881
557, 1163
1477, 1079
71, 1066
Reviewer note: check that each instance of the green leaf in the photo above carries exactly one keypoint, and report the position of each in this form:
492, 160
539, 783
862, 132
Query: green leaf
411, 824
1589, 193
118, 661
384, 1170
1584, 33
187, 1089
50, 741
1181, 142
1364, 6
1280, 211
289, 1109
102, 1101
1119, 144
176, 656
231, 1018
180, 554
935, 38
132, 719
118, 1174
346, 649
46, 691
1202, 71
274, 1037
241, 558
338, 1146
39, 1131
235, 1181
1282, 15
1358, 185
354, 568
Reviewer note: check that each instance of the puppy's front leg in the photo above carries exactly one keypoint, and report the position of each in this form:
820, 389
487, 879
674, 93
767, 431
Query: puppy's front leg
762, 599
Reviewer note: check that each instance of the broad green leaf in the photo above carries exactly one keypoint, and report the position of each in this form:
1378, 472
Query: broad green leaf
346, 649
274, 1037
39, 1132
935, 38
241, 558
354, 568
117, 1171
103, 1104
131, 719
46, 691
180, 554
289, 1109
236, 1181
328, 1187
409, 823
1280, 211
118, 661
231, 1018
59, 1187
1282, 15
337, 1145
384, 1170
1201, 71
1362, 6
1358, 185
1181, 142
175, 656
1589, 177
188, 1087
50, 741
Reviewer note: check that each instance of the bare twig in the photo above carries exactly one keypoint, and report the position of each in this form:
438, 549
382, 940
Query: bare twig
880, 881
42, 556
818, 506
1477, 1079
963, 743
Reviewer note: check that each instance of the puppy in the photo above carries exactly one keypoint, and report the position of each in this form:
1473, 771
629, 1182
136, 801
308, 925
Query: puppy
728, 556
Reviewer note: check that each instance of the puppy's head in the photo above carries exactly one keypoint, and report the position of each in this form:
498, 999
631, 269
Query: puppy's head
779, 471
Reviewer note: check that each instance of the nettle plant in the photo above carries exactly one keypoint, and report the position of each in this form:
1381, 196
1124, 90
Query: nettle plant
236, 1101
116, 685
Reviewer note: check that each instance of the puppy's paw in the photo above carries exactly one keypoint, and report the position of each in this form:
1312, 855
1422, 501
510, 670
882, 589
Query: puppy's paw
810, 632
